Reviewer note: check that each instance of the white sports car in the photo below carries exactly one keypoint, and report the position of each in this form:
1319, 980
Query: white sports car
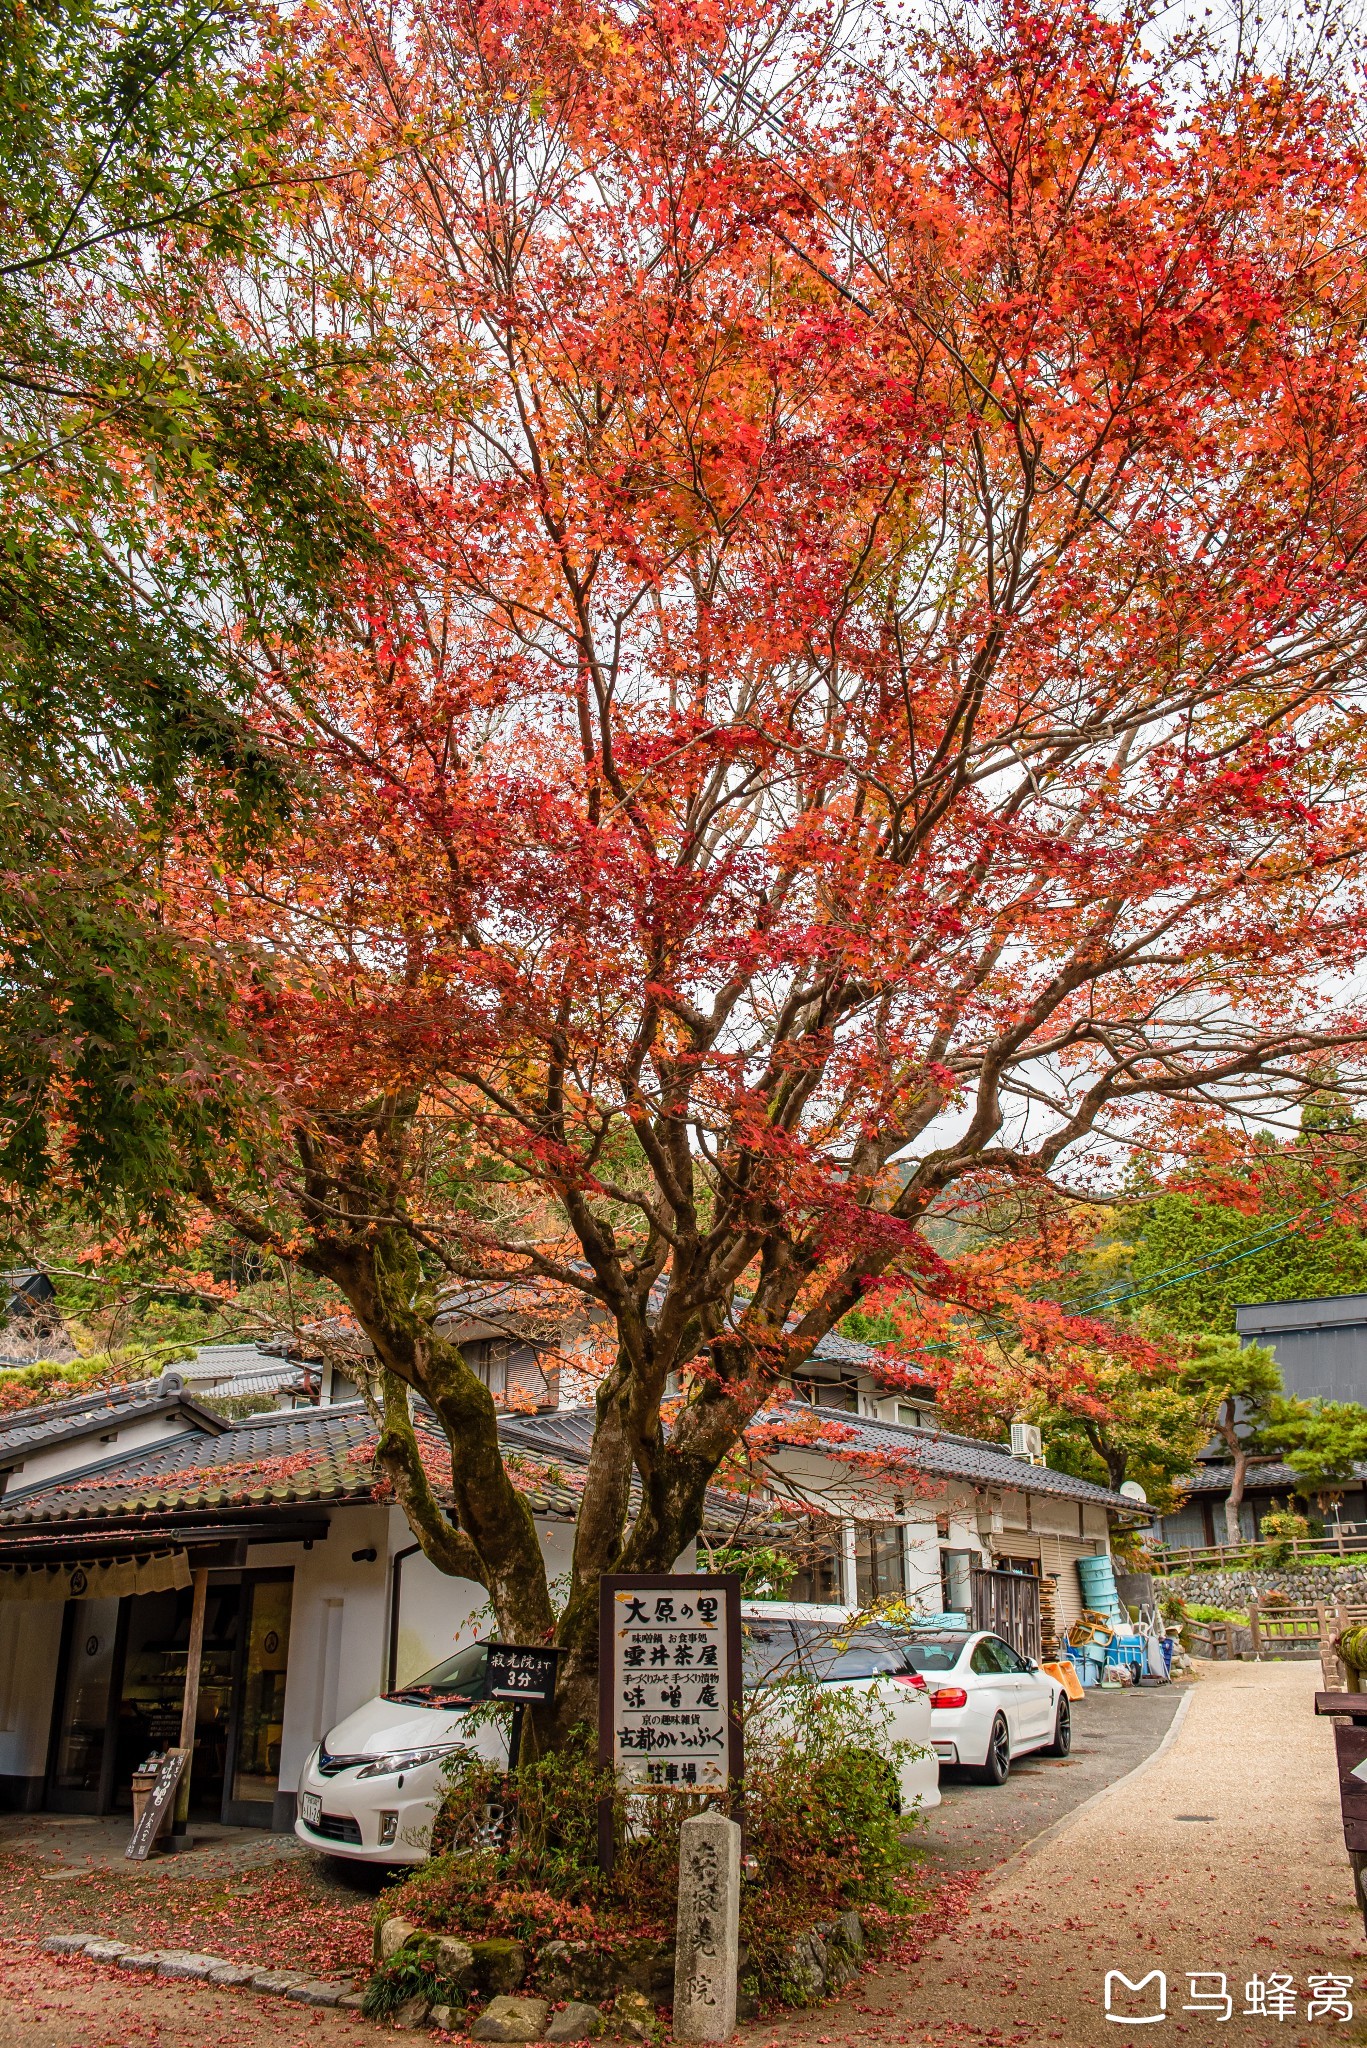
988, 1704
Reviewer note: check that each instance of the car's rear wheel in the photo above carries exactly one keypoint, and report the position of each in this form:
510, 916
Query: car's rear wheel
1063, 1730
997, 1768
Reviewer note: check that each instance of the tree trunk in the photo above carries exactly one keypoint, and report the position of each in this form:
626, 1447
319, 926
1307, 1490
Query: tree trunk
1233, 1533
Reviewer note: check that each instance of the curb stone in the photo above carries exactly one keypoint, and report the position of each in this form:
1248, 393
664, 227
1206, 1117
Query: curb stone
317, 1991
186, 1965
232, 1975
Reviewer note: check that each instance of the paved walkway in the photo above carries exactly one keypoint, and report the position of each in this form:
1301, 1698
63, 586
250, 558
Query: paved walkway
976, 1827
71, 1845
1224, 1854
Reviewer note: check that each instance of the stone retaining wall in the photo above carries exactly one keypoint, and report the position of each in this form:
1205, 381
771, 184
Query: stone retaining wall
610, 1984
1302, 1585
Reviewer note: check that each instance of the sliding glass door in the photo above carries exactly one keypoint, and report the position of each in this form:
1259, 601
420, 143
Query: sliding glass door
82, 1751
121, 1688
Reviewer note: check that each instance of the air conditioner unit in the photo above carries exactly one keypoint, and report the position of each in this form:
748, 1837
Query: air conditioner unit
991, 1517
1027, 1443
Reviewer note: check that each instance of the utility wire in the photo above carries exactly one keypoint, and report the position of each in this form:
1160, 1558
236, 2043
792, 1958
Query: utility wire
1170, 1277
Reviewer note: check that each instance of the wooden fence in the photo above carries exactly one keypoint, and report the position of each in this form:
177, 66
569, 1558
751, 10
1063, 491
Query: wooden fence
1210, 1639
1275, 1630
1347, 1539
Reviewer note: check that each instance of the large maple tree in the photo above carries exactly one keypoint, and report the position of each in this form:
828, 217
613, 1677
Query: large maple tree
868, 709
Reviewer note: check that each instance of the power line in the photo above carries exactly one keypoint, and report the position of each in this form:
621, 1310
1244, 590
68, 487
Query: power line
1163, 1282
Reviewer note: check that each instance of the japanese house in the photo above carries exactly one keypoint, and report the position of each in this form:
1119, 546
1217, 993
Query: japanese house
120, 1509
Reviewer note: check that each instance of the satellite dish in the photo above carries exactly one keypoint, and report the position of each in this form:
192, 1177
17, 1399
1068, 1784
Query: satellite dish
1132, 1490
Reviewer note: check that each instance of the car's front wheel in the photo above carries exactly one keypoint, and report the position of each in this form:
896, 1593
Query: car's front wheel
997, 1768
1063, 1731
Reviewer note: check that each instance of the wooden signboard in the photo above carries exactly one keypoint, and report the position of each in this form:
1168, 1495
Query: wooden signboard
669, 1684
160, 1800
1350, 1745
524, 1674
1349, 1712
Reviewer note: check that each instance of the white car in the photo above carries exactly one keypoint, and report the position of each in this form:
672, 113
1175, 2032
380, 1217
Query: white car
781, 1638
988, 1704
371, 1789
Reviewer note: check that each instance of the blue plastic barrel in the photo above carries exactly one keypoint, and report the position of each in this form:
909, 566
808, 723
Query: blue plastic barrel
1097, 1575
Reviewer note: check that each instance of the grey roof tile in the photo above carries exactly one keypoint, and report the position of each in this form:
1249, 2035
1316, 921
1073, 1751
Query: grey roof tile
1215, 1478
933, 1451
55, 1422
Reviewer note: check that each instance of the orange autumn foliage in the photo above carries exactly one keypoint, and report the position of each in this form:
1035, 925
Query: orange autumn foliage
868, 671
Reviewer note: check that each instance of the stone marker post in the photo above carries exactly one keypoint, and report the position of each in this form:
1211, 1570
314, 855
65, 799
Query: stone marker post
708, 1946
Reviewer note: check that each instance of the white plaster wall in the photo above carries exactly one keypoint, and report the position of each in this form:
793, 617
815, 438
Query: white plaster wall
1053, 1517
437, 1615
30, 1640
337, 1628
923, 1565
40, 1466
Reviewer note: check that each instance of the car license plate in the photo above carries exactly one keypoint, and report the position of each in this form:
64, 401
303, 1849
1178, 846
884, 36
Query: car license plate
310, 1809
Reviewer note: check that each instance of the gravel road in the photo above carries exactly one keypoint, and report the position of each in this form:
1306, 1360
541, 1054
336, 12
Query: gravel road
1224, 1854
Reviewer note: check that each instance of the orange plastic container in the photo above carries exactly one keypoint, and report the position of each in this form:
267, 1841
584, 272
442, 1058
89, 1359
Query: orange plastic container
1067, 1678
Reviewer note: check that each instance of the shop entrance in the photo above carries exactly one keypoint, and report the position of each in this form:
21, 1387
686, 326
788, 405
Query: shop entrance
122, 1684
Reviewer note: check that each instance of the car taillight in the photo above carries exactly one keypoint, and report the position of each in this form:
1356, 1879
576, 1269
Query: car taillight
911, 1678
949, 1696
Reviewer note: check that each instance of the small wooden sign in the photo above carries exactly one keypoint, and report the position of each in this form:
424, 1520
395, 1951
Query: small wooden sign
522, 1673
160, 1800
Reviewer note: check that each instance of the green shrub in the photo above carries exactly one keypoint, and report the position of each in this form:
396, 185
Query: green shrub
1278, 1530
765, 1573
415, 1972
822, 1834
1196, 1612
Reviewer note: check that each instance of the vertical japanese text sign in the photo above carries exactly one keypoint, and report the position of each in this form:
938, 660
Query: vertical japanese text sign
670, 1681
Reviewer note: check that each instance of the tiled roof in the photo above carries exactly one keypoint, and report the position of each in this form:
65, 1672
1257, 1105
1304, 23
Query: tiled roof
932, 1451
55, 1422
220, 1371
283, 1458
220, 1363
1259, 1478
283, 1379
983, 1464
